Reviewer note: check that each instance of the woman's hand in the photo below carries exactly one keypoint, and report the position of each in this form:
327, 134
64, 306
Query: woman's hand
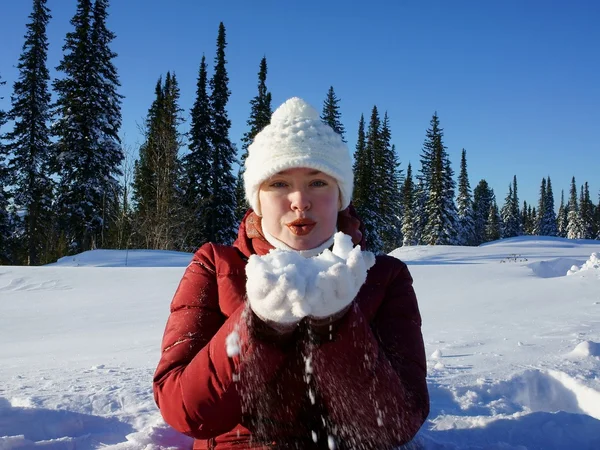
341, 272
283, 287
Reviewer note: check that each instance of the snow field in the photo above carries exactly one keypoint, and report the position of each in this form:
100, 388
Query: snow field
513, 347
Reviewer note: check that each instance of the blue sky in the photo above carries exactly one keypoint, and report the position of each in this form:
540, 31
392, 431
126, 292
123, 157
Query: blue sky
514, 82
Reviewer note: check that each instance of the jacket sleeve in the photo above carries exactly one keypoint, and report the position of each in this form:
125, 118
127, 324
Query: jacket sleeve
372, 377
198, 388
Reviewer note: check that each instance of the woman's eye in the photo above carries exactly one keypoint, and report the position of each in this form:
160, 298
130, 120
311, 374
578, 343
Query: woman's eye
318, 183
278, 184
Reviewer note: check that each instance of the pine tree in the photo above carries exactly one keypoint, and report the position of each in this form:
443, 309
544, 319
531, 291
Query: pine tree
587, 213
574, 222
492, 228
222, 204
5, 226
197, 166
440, 210
88, 154
331, 113
561, 219
597, 219
539, 223
408, 207
507, 227
107, 114
483, 197
369, 205
419, 212
361, 168
525, 218
515, 204
29, 142
157, 172
389, 181
549, 216
260, 117
464, 201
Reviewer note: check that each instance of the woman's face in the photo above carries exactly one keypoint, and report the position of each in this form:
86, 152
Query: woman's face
299, 207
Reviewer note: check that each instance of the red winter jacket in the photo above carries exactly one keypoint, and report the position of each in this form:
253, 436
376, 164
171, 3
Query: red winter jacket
360, 382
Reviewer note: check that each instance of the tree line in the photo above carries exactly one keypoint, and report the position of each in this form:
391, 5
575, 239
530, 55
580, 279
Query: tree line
66, 185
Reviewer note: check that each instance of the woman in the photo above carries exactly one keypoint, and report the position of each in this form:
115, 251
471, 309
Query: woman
292, 338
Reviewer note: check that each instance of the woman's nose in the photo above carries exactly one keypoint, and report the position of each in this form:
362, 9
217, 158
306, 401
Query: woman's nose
299, 200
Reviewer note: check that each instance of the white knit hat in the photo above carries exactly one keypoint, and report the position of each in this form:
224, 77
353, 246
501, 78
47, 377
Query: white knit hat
296, 137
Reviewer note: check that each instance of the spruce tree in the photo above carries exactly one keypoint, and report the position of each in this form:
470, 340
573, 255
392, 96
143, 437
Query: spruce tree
587, 213
29, 143
515, 204
331, 114
483, 197
260, 117
440, 210
549, 216
369, 205
408, 208
539, 228
561, 219
197, 166
157, 173
361, 167
597, 219
5, 226
222, 204
492, 228
88, 154
107, 115
525, 218
507, 225
574, 222
389, 181
464, 203
419, 211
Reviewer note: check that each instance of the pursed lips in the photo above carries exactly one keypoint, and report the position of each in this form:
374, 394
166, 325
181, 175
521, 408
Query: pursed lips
301, 227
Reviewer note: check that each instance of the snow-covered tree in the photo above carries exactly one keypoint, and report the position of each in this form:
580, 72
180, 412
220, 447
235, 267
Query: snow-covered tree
29, 142
408, 207
587, 212
464, 203
440, 210
88, 153
222, 225
574, 223
389, 180
368, 206
331, 114
492, 228
483, 197
548, 217
5, 227
361, 167
260, 117
597, 220
562, 217
197, 165
157, 172
511, 220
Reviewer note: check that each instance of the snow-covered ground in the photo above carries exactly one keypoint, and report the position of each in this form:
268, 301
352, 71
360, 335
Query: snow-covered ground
513, 347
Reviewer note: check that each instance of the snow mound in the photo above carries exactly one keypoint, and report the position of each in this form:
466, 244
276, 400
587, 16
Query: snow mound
553, 268
126, 258
586, 349
591, 264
